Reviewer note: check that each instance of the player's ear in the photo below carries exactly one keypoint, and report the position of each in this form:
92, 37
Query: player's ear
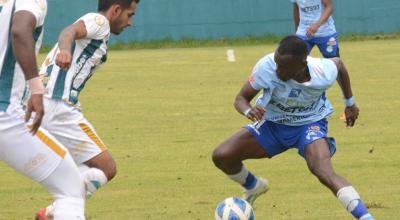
116, 10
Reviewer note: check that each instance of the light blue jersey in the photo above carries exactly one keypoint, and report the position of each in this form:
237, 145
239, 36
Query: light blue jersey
310, 11
292, 103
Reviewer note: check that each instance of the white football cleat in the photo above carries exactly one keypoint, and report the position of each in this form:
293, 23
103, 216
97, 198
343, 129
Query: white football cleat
262, 186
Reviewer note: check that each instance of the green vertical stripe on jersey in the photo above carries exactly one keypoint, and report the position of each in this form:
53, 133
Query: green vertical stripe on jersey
59, 86
86, 54
1, 8
58, 90
7, 71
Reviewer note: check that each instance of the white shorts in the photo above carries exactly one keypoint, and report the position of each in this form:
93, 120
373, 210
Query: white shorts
34, 156
68, 125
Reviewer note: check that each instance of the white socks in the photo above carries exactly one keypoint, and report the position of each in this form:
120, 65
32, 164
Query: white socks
94, 178
351, 201
241, 176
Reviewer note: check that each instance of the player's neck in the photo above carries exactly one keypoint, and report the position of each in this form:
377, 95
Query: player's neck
303, 77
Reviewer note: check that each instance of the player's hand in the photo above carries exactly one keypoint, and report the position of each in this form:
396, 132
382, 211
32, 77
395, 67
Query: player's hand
35, 104
312, 29
64, 59
256, 113
351, 114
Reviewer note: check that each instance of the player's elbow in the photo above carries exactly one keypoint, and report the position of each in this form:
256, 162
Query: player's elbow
18, 33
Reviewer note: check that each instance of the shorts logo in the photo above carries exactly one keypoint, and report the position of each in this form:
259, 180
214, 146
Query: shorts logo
330, 44
314, 132
35, 162
294, 93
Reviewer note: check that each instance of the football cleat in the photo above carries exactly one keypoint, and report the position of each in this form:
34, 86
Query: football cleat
41, 215
260, 188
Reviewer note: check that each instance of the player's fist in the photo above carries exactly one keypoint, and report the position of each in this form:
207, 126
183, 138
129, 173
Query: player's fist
64, 59
255, 113
35, 104
351, 114
312, 29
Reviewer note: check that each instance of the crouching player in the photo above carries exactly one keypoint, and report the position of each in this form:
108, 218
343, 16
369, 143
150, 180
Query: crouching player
292, 113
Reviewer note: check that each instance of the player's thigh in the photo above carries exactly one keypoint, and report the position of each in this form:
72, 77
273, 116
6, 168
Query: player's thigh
318, 156
82, 141
105, 162
71, 128
241, 145
65, 180
34, 156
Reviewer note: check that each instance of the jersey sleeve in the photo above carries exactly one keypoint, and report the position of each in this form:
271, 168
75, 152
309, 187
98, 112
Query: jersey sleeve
262, 75
97, 26
37, 7
330, 71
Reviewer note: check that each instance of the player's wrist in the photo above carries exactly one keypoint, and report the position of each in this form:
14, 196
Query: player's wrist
36, 86
247, 112
350, 101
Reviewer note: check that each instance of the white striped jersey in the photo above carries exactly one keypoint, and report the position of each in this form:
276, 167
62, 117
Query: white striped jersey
13, 86
87, 55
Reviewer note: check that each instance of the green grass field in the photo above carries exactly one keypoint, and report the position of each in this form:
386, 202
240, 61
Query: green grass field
162, 112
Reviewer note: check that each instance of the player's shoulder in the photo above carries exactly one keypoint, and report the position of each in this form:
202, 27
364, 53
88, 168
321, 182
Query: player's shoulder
323, 69
96, 24
37, 7
95, 18
264, 70
267, 62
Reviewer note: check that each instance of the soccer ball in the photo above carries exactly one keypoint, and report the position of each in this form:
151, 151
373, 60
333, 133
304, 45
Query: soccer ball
234, 209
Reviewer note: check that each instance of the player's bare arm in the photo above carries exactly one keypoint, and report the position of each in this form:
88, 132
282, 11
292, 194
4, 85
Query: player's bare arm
324, 17
67, 37
296, 16
24, 24
243, 106
351, 111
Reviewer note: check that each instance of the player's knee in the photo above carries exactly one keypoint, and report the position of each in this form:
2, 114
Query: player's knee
221, 157
324, 175
110, 170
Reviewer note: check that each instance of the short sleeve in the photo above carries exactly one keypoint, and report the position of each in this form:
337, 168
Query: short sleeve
330, 71
97, 26
37, 7
263, 73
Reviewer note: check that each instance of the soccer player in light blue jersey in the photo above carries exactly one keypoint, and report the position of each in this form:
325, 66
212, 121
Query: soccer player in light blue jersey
314, 24
291, 113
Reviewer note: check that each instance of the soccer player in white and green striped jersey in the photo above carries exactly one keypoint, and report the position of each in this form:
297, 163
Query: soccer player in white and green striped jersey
25, 147
81, 49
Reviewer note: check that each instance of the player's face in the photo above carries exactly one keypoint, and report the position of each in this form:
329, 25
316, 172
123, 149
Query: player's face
288, 66
123, 19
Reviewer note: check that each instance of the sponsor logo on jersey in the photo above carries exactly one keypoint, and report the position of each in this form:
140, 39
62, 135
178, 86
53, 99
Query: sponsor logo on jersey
294, 93
99, 20
310, 8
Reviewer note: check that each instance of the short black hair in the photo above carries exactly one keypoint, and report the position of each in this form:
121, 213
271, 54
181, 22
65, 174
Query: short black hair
292, 45
104, 5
